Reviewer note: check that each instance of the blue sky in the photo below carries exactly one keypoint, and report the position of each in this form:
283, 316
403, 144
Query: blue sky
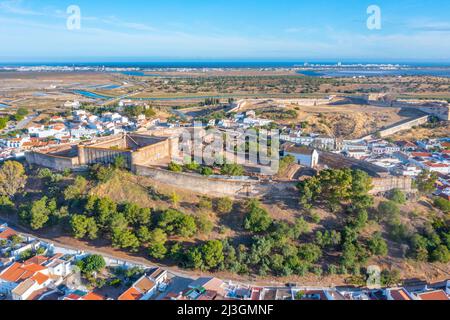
302, 30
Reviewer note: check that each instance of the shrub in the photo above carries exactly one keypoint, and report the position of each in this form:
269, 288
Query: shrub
442, 204
174, 167
224, 205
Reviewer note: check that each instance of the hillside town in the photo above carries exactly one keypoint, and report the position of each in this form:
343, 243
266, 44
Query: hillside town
33, 269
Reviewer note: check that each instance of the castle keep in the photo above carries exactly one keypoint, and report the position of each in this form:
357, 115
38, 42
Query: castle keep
136, 149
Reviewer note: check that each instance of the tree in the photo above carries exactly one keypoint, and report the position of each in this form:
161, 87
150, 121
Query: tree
82, 226
102, 173
442, 204
310, 253
419, 250
224, 205
212, 252
91, 264
12, 178
76, 190
257, 220
378, 246
144, 235
426, 181
174, 222
389, 210
157, 240
390, 278
125, 239
441, 254
136, 215
204, 224
349, 255
4, 122
120, 162
36, 215
194, 259
397, 196
175, 198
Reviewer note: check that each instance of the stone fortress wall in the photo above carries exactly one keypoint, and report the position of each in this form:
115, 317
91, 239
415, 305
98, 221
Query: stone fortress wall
142, 160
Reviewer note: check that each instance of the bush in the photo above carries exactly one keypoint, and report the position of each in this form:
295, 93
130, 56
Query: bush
92, 263
389, 211
257, 220
442, 204
397, 196
224, 205
175, 167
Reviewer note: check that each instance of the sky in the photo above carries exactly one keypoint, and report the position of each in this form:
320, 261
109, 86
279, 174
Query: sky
264, 30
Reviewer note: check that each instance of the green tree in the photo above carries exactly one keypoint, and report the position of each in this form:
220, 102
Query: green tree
125, 239
12, 178
378, 246
157, 242
442, 204
389, 210
426, 182
224, 205
310, 253
83, 226
212, 252
440, 254
91, 264
136, 215
77, 190
37, 214
257, 220
194, 258
397, 196
4, 122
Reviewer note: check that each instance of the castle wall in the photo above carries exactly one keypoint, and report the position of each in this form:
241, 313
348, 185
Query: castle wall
93, 155
50, 161
200, 184
383, 185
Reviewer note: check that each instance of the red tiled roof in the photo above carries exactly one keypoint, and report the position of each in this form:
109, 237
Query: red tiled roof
7, 233
130, 295
93, 297
421, 154
435, 295
40, 278
400, 295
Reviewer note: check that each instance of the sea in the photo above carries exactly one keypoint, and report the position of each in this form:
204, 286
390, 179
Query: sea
312, 69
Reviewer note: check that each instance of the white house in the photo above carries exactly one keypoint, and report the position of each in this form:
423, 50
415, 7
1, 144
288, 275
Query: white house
305, 156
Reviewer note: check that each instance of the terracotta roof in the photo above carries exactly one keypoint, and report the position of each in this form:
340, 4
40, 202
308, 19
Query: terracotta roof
435, 295
144, 285
421, 154
19, 272
40, 278
39, 260
93, 297
7, 233
436, 165
130, 295
399, 295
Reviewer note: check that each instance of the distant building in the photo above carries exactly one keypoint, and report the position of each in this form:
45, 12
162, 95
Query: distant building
305, 156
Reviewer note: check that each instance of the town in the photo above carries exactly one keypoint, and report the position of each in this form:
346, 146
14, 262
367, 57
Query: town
34, 269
